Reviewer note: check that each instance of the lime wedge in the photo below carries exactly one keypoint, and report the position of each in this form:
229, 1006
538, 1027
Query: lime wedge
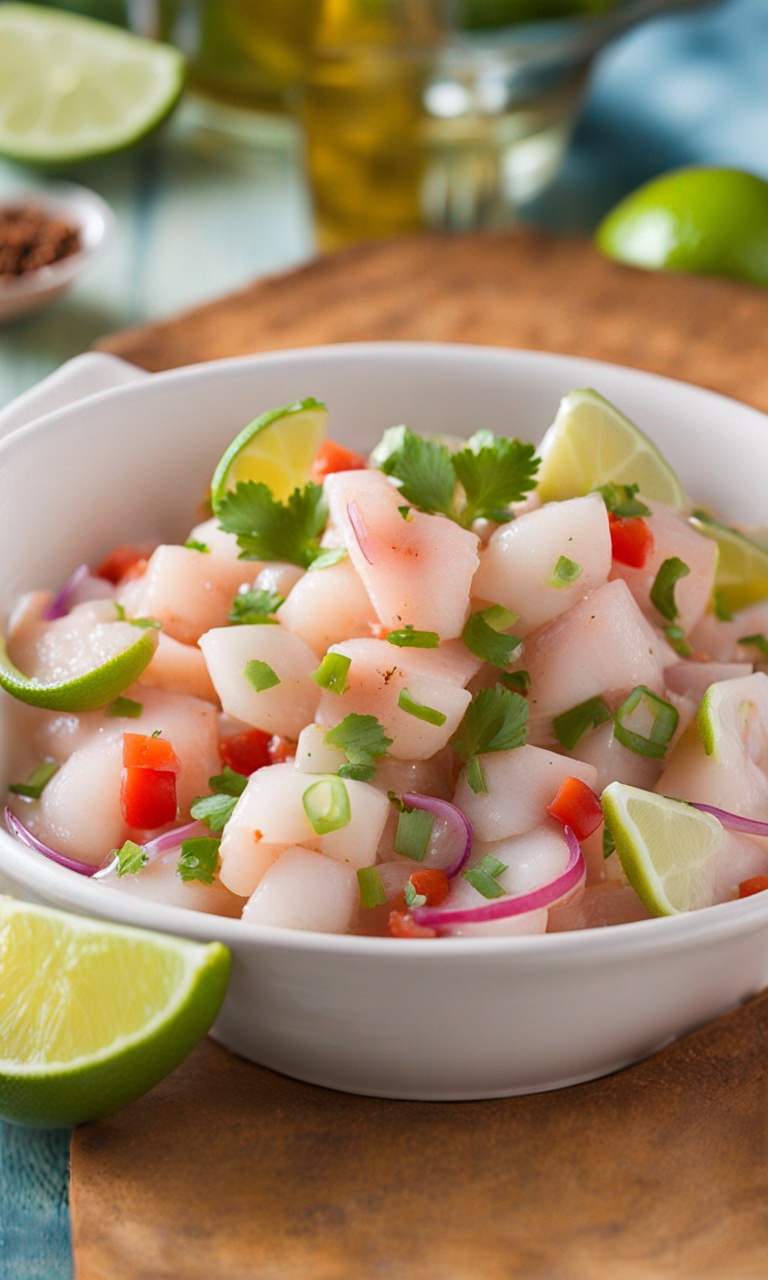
591, 443
85, 692
74, 88
276, 449
742, 564
666, 848
92, 1015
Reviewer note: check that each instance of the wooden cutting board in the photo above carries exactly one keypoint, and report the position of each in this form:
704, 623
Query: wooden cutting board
227, 1171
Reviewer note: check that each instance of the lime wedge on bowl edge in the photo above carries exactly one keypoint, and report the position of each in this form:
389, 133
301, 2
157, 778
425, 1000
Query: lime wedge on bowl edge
73, 88
666, 848
742, 564
277, 450
591, 443
92, 1015
85, 692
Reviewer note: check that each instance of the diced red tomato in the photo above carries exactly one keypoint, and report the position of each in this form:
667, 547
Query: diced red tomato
123, 563
756, 884
433, 884
577, 806
281, 749
141, 751
333, 457
631, 540
148, 797
246, 752
403, 925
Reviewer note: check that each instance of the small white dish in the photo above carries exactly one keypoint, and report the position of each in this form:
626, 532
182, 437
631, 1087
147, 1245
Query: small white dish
457, 1018
79, 207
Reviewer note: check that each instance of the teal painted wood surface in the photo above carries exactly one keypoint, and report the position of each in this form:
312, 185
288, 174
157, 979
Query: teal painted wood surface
34, 1213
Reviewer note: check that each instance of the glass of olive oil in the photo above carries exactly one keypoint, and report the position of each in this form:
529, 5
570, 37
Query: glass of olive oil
446, 114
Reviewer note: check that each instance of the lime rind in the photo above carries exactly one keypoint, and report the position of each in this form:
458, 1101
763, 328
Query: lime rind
665, 846
741, 578
57, 1094
87, 692
75, 88
276, 449
591, 443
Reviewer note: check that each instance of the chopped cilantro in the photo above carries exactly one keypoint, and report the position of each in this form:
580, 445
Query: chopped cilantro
328, 557
130, 859
519, 681
495, 720
363, 740
430, 715
255, 606
216, 810
192, 544
407, 638
484, 635
412, 898
719, 606
125, 707
120, 614
260, 675
566, 571
199, 859
37, 781
571, 725
270, 530
483, 876
663, 589
621, 501
406, 513
493, 473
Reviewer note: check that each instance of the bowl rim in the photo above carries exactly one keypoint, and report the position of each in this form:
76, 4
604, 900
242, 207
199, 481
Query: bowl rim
76, 204
78, 893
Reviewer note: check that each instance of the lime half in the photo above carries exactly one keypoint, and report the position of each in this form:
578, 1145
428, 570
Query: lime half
74, 88
92, 1015
666, 848
742, 565
591, 443
85, 692
277, 450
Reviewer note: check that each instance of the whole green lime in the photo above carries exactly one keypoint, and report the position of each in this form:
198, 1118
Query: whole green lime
704, 221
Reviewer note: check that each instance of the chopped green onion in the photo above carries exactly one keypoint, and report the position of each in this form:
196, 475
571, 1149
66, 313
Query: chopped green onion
720, 607
372, 891
130, 859
483, 635
759, 641
566, 572
412, 898
255, 607
410, 639
125, 707
571, 725
147, 624
37, 781
663, 589
621, 501
332, 673
412, 708
609, 844
326, 804
646, 711
406, 513
518, 681
260, 675
120, 614
156, 733
414, 828
199, 859
676, 637
192, 544
483, 876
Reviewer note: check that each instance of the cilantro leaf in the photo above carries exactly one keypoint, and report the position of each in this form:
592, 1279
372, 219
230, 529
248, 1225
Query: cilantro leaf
125, 707
571, 725
216, 810
199, 859
484, 635
495, 720
425, 470
362, 739
270, 530
254, 606
192, 544
130, 859
494, 477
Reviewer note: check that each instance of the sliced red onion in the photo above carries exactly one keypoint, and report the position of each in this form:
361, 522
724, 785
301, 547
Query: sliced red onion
17, 829
165, 843
733, 821
457, 820
80, 586
511, 905
360, 530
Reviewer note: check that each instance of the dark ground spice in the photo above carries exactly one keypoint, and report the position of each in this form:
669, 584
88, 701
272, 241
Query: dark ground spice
30, 239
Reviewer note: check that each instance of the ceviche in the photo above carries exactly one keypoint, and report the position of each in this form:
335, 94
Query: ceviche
457, 688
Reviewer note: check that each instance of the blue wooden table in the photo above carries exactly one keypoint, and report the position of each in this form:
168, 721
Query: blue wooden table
204, 209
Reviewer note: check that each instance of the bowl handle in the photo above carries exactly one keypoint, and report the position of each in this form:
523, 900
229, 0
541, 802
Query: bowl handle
84, 376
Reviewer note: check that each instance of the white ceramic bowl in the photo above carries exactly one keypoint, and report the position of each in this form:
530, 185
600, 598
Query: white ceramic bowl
454, 1018
80, 208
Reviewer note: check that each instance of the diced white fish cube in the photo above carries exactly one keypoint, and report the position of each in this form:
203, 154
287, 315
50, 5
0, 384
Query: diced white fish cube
517, 568
327, 606
279, 577
179, 668
79, 811
305, 890
692, 679
221, 544
285, 707
159, 881
521, 784
188, 591
313, 755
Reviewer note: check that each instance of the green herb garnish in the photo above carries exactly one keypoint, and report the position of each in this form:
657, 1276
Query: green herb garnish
412, 898
199, 859
495, 720
566, 571
483, 876
192, 544
130, 859
676, 637
125, 707
260, 675
326, 804
759, 641
372, 892
332, 673
216, 810
255, 607
37, 781
363, 741
519, 681
571, 725
483, 635
270, 530
407, 638
414, 828
663, 589
621, 501
645, 723
430, 715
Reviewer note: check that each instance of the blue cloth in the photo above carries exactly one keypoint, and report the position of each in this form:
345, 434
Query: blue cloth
688, 88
